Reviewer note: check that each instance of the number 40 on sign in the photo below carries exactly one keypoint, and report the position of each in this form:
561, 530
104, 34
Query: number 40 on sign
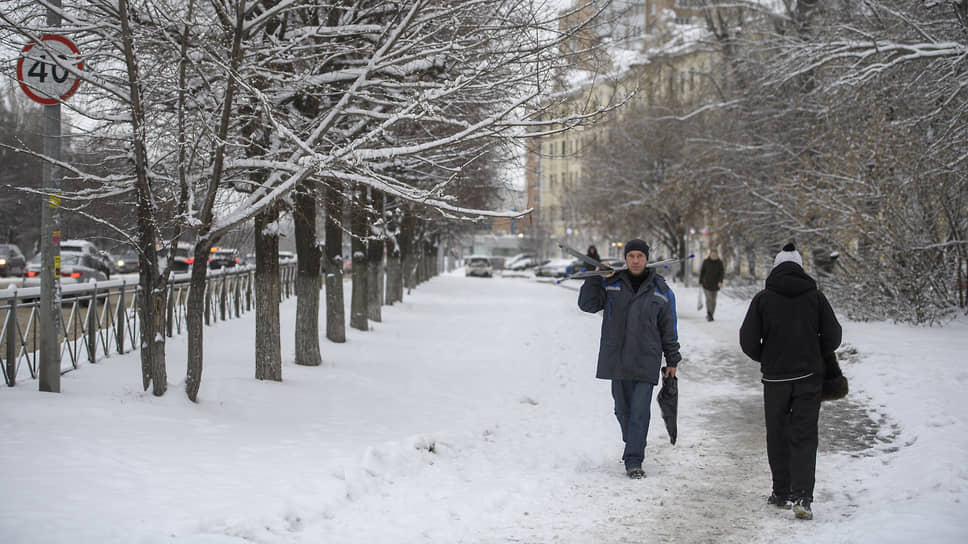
43, 72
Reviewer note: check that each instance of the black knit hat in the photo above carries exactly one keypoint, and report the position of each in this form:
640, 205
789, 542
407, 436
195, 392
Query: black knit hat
636, 245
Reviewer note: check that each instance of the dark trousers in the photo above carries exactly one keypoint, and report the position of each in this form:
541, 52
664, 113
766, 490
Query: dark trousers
633, 403
710, 300
792, 412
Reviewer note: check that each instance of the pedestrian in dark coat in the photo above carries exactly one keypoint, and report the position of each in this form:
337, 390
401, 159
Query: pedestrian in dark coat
789, 329
638, 328
711, 275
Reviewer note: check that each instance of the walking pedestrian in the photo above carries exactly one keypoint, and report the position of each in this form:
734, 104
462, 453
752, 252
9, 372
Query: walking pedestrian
711, 275
789, 329
638, 328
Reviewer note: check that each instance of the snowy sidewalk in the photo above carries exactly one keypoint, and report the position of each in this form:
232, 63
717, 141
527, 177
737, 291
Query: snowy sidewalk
471, 414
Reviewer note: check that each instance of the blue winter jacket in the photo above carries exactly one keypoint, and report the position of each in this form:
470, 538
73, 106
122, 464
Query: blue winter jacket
637, 328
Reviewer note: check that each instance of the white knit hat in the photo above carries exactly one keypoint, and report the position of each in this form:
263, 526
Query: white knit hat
788, 255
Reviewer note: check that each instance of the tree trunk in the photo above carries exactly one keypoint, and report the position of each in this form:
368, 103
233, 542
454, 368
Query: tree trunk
751, 262
374, 259
335, 310
408, 247
394, 272
361, 229
308, 280
682, 251
194, 324
151, 307
268, 351
152, 286
425, 259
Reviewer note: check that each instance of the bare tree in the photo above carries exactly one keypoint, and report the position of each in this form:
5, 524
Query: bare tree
235, 121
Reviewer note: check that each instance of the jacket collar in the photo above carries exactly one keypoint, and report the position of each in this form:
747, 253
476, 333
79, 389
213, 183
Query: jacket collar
648, 284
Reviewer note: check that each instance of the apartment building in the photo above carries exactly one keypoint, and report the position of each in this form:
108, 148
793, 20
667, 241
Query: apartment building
677, 73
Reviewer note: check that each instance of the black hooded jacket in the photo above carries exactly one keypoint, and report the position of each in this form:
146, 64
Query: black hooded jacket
789, 326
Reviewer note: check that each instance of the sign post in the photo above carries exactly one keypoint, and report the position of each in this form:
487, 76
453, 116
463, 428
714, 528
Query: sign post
46, 74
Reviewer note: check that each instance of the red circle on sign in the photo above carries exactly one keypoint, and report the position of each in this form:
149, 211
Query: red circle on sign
47, 101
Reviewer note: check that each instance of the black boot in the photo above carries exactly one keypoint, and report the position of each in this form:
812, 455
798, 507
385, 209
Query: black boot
801, 508
780, 501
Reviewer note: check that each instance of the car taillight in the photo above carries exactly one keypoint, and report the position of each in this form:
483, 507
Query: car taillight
31, 273
210, 259
190, 260
236, 259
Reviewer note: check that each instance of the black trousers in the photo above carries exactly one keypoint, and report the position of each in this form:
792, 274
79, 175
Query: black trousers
792, 412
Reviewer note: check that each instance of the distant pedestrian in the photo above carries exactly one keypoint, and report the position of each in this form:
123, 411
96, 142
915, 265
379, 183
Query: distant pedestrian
711, 275
638, 328
789, 329
593, 253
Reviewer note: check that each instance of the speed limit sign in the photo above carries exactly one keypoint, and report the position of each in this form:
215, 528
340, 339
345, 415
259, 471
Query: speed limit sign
42, 69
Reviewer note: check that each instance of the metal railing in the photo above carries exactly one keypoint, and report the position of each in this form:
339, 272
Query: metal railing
98, 319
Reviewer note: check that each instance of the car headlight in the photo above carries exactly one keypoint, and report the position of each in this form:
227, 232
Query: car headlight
3, 262
120, 263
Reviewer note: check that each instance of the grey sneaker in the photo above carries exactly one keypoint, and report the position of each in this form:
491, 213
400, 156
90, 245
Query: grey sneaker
636, 473
801, 509
780, 501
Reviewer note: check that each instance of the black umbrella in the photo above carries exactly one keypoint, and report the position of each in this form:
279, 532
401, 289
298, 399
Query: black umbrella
669, 404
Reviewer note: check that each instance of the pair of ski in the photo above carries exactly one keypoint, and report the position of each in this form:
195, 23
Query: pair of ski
601, 269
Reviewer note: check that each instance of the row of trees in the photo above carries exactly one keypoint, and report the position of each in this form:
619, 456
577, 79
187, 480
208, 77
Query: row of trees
210, 114
840, 125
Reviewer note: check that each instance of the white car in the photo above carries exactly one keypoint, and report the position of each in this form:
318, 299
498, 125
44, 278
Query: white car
478, 265
554, 268
75, 268
522, 261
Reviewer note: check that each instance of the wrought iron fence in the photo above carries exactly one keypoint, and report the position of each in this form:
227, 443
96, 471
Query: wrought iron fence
98, 319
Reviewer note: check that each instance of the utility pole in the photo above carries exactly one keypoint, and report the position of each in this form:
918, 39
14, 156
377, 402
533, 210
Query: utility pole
49, 72
50, 287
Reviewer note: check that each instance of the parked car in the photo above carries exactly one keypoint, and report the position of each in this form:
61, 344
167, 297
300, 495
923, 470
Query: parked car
478, 265
553, 268
523, 261
12, 260
127, 262
510, 264
75, 268
223, 258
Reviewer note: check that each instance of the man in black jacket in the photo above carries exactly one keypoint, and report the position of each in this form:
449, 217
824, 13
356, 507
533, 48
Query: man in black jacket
711, 275
638, 328
788, 329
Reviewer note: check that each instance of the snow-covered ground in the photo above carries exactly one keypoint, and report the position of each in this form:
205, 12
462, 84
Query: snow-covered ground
471, 414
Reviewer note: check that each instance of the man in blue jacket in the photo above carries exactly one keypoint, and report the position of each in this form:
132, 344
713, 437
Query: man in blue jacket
638, 327
789, 329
